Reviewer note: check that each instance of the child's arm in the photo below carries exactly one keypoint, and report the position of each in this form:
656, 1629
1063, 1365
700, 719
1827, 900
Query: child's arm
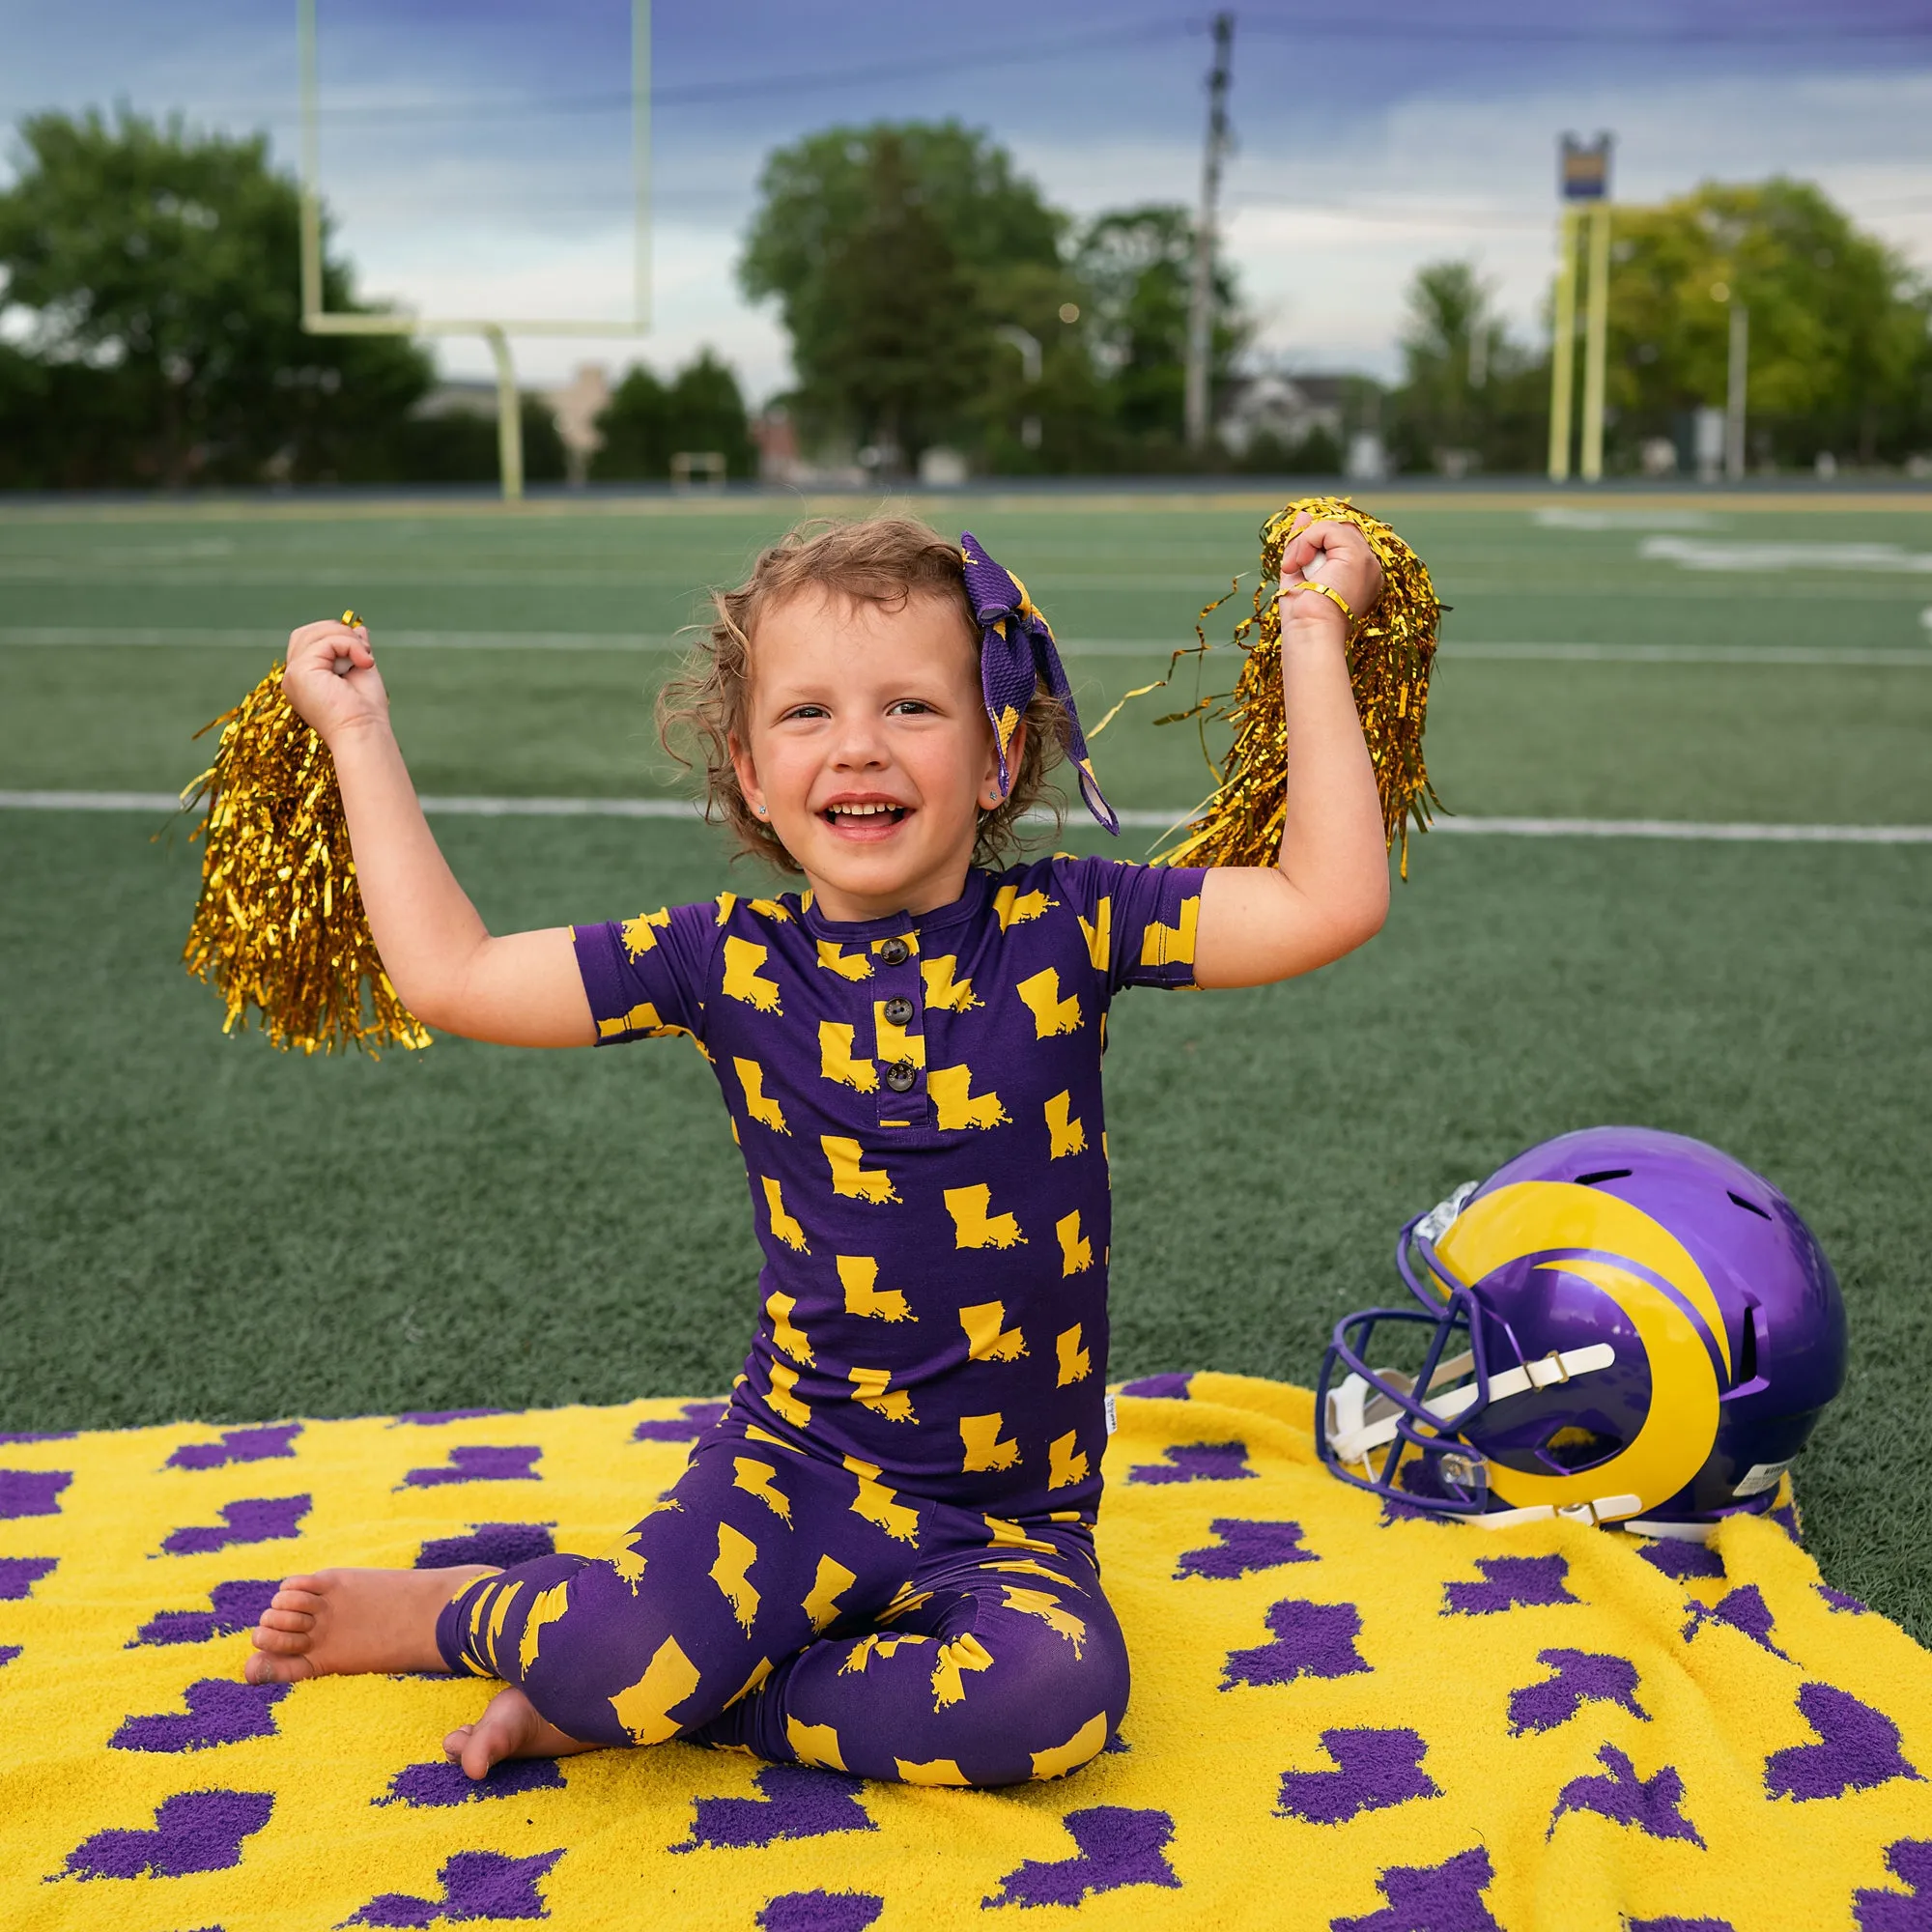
1329, 889
521, 990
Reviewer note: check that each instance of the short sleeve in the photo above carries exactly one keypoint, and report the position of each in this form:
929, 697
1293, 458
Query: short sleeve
1139, 920
645, 975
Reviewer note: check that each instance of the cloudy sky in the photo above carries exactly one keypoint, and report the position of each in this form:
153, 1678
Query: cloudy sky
476, 155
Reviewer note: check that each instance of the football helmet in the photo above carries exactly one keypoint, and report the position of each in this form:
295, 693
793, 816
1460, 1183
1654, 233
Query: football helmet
1619, 1326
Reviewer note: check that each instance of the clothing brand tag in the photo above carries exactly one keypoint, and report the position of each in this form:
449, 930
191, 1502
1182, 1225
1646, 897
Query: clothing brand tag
1759, 1477
1113, 1421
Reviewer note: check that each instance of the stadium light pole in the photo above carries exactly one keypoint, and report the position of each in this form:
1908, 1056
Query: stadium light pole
1583, 177
1596, 334
1563, 347
1201, 294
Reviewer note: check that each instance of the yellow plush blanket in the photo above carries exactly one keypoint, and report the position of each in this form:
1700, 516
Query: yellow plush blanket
1339, 1720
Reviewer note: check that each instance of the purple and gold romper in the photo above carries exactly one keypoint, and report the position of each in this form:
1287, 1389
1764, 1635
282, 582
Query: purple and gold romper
881, 1558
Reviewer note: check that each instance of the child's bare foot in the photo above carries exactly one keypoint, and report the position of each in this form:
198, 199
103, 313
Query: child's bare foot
510, 1727
341, 1622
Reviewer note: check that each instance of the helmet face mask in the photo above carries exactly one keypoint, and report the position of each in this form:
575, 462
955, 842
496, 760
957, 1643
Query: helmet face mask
1619, 1326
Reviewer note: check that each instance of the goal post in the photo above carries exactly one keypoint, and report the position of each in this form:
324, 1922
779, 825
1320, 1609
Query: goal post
495, 331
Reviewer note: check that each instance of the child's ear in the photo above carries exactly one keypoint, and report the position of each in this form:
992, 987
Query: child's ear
989, 778
749, 787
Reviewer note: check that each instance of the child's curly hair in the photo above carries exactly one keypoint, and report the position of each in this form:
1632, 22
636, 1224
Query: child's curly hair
881, 560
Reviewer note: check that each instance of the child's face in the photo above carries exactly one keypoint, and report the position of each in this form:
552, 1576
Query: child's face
867, 742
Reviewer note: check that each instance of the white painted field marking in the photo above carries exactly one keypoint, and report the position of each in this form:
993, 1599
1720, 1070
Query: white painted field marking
81, 636
58, 637
1556, 517
1159, 821
1697, 553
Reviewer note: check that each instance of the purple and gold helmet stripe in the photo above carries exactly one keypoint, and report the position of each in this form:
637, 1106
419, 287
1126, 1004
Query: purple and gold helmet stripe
1017, 655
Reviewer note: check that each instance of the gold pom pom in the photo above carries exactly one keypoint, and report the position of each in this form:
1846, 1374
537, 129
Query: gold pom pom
280, 926
1390, 653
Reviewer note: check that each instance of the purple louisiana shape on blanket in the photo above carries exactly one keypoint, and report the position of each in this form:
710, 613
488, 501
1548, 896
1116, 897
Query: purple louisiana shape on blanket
1581, 1676
1430, 1898
1910, 1860
1245, 1545
8, 1653
819, 1912
797, 1802
233, 1607
1311, 1640
1671, 1923
32, 1491
1857, 1749
442, 1784
1374, 1770
1742, 1609
1162, 1388
252, 1519
1652, 1805
434, 1418
1509, 1582
238, 1445
1118, 1847
480, 1463
475, 1884
219, 1711
503, 1544
1682, 1560
1196, 1462
19, 1574
193, 1832
1837, 1599
698, 1417
1418, 1477
9, 1435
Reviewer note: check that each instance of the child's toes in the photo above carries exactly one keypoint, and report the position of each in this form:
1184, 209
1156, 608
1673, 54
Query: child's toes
264, 1668
294, 1622
453, 1743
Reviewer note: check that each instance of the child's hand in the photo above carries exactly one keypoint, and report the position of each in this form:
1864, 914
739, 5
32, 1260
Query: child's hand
1336, 556
331, 678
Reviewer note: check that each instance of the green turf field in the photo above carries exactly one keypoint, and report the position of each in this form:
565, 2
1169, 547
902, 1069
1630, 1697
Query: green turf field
194, 1226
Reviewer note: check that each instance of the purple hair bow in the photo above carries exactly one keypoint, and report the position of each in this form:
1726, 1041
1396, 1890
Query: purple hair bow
1016, 656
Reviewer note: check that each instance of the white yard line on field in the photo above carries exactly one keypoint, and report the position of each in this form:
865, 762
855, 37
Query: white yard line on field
59, 637
1721, 832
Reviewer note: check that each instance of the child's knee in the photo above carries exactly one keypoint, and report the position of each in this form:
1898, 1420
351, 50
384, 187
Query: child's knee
1030, 1703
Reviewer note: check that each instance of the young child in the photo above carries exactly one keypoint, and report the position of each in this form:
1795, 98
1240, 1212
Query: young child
881, 1558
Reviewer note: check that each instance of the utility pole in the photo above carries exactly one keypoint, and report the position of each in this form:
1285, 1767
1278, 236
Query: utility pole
1201, 295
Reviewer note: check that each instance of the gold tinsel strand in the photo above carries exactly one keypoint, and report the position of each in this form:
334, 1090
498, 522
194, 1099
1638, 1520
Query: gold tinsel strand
1390, 653
280, 926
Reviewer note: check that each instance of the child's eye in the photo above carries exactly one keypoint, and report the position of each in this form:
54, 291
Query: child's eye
908, 706
808, 711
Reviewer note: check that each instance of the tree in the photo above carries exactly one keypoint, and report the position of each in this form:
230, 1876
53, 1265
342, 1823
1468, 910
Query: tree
1839, 357
158, 271
1138, 266
1470, 397
646, 422
894, 251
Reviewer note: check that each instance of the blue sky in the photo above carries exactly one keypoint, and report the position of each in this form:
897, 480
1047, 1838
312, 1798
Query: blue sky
477, 155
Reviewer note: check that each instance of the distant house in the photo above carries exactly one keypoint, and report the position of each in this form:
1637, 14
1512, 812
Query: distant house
1281, 409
